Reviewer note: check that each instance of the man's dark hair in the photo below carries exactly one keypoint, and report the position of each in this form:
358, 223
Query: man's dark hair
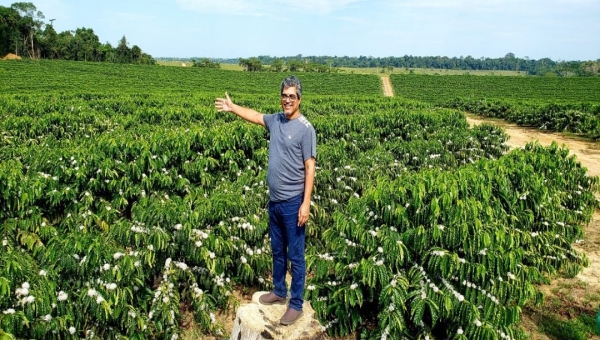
292, 81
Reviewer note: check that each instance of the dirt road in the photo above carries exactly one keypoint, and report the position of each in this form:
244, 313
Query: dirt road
387, 86
587, 153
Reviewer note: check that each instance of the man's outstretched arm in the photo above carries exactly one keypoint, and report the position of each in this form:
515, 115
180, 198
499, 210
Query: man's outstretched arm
252, 116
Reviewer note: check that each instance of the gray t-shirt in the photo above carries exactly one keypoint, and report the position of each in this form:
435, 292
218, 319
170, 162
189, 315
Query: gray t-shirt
292, 142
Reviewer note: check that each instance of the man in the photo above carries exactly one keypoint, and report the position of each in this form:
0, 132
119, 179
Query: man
290, 177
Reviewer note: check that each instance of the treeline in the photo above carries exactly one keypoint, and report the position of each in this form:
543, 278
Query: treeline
24, 33
509, 62
541, 67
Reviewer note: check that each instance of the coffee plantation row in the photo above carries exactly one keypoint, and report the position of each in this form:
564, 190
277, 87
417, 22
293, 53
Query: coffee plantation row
440, 89
59, 76
122, 212
582, 119
546, 103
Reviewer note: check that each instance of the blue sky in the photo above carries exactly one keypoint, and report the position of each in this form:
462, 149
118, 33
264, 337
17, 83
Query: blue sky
557, 29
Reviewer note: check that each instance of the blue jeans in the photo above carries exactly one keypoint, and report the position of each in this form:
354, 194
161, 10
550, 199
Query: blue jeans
287, 243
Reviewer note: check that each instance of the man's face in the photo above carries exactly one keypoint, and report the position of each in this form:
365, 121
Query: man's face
290, 103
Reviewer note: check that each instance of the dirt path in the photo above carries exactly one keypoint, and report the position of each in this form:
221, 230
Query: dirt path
387, 86
587, 153
582, 292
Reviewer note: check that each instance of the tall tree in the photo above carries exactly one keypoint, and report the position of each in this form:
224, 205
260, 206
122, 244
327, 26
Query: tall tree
10, 34
49, 43
30, 24
86, 44
107, 53
136, 54
123, 53
64, 45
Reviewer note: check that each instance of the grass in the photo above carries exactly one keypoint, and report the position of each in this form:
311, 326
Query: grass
568, 312
580, 328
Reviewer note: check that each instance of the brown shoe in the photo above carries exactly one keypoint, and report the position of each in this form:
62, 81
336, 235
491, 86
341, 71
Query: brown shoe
291, 315
271, 298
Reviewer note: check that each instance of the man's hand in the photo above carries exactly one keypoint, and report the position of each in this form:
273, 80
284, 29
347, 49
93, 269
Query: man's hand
224, 104
252, 116
303, 214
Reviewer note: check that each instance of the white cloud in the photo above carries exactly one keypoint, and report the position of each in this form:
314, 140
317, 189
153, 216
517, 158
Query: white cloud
265, 7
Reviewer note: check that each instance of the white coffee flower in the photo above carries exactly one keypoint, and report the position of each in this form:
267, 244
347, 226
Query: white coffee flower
21, 291
62, 296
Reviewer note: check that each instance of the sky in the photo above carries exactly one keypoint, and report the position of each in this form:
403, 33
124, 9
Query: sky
555, 29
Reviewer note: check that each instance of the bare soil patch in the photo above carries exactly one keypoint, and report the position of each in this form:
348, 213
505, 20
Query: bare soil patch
587, 153
11, 56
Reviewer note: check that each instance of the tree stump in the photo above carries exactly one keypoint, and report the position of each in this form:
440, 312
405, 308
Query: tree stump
255, 321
